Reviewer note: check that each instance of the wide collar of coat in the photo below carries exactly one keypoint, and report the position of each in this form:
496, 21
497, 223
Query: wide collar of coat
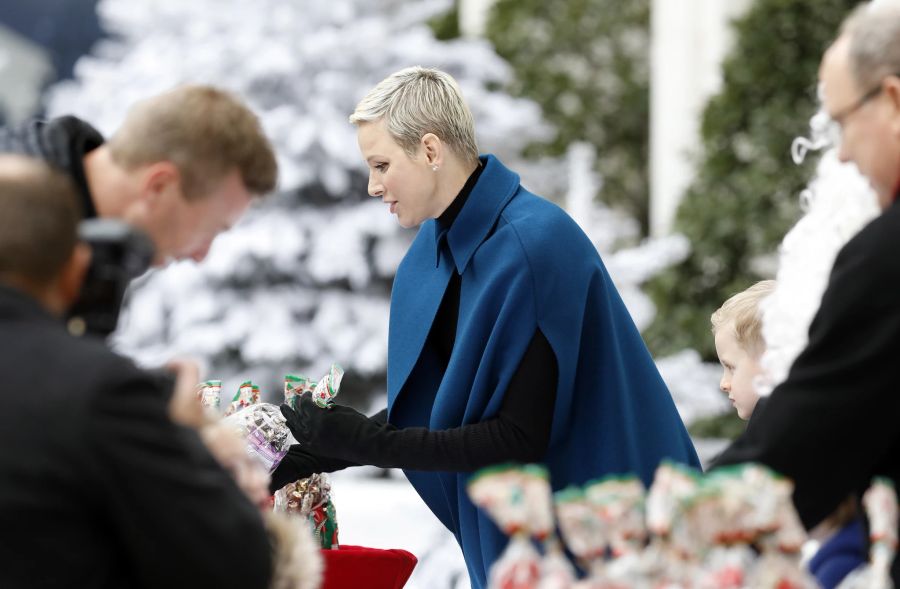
422, 280
494, 189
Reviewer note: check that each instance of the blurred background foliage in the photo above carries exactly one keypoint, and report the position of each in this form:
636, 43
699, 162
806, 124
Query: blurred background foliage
744, 196
586, 63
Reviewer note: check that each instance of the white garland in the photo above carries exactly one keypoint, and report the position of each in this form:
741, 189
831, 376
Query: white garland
838, 202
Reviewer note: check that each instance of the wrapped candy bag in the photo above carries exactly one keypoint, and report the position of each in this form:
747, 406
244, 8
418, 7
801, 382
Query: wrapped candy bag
618, 502
585, 534
672, 485
311, 498
749, 505
781, 533
673, 550
265, 431
322, 392
880, 501
506, 494
327, 388
208, 393
556, 572
294, 386
720, 516
247, 395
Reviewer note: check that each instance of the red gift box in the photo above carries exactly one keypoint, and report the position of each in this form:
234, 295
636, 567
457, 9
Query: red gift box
352, 567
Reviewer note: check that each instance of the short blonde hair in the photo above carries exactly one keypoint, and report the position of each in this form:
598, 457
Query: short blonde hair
416, 101
206, 132
742, 311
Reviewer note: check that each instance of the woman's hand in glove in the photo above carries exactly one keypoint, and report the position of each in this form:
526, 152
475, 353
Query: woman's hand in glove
299, 464
337, 432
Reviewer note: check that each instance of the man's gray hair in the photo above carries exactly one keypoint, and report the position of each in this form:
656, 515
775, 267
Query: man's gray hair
416, 101
874, 30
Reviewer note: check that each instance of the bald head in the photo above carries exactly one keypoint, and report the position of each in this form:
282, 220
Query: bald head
39, 217
872, 33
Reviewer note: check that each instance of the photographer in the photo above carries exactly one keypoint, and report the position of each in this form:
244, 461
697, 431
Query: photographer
183, 166
99, 487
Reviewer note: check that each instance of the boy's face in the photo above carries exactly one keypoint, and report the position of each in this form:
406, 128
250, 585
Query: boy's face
739, 368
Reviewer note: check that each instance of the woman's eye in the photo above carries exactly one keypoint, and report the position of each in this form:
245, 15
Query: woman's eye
381, 167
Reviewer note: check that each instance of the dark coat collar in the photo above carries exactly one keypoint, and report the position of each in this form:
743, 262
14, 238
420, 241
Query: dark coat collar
15, 304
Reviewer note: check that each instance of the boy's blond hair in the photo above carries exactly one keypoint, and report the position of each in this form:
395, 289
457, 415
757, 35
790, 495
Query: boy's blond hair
206, 132
742, 312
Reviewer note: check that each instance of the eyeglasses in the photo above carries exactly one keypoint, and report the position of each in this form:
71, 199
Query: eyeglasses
836, 126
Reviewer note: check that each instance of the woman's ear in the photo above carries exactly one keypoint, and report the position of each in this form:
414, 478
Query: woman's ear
432, 149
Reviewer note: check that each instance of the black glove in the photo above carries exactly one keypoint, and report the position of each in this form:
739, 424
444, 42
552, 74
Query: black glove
338, 432
299, 464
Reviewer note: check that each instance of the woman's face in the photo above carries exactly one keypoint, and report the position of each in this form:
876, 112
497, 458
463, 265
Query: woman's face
407, 184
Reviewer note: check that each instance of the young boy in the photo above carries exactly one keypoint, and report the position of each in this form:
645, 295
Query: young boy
737, 327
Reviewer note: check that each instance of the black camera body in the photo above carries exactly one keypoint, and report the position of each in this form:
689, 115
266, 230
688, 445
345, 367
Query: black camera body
119, 254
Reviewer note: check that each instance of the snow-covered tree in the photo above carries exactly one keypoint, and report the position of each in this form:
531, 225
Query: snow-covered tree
304, 280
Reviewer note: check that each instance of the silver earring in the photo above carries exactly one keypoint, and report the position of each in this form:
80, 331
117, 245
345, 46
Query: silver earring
434, 168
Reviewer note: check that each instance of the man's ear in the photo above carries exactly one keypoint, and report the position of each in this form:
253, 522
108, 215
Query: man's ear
892, 89
432, 149
157, 179
71, 277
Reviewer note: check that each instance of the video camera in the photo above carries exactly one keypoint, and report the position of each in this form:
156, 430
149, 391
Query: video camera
119, 254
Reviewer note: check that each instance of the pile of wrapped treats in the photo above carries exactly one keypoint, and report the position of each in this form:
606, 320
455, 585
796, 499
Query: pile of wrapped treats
268, 439
733, 528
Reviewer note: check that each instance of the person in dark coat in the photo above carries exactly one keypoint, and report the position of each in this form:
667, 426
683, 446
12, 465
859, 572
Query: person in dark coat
508, 340
831, 426
98, 487
183, 166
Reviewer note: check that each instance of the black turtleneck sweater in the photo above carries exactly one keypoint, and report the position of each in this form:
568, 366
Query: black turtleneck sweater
521, 430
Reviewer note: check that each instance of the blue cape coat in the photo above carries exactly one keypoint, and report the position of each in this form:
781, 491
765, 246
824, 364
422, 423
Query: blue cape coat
525, 264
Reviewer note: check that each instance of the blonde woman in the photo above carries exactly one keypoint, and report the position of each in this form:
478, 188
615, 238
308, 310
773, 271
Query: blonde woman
508, 340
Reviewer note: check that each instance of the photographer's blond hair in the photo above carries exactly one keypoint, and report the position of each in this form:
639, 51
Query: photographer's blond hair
742, 312
206, 132
416, 101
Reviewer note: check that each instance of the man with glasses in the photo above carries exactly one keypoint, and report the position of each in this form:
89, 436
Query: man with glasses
832, 424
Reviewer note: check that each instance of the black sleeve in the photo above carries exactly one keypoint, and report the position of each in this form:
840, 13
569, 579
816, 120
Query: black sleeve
519, 433
183, 521
831, 424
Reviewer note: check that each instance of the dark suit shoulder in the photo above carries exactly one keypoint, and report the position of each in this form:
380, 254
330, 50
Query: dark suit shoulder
875, 245
68, 372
